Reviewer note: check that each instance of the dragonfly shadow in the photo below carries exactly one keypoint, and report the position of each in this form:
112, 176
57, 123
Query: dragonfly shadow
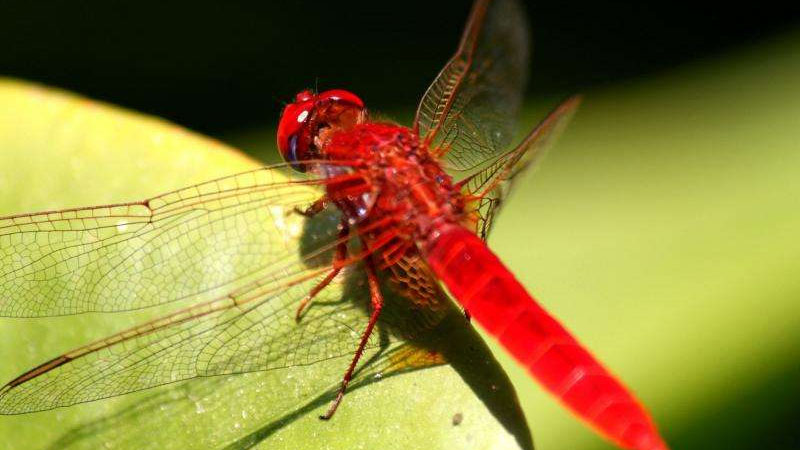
451, 342
408, 339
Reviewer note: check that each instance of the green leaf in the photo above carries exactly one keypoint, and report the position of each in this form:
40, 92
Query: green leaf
59, 151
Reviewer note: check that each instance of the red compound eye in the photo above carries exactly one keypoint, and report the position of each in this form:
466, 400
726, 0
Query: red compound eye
294, 134
342, 97
302, 120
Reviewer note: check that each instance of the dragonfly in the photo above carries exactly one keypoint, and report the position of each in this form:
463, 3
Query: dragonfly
411, 206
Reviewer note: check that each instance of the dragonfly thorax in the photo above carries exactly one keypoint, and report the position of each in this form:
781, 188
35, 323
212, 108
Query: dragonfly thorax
391, 183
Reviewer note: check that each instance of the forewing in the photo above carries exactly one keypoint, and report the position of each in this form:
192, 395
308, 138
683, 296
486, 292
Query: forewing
250, 327
198, 242
469, 113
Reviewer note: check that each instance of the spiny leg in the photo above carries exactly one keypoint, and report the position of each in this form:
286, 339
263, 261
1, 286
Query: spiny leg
338, 257
376, 299
315, 208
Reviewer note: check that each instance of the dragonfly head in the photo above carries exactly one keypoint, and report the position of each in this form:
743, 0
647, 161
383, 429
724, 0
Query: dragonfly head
306, 123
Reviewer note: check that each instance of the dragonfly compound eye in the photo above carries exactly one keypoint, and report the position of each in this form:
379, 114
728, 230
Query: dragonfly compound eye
338, 109
295, 131
307, 123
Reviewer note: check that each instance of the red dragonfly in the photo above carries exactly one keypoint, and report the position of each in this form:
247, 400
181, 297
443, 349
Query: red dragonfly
418, 203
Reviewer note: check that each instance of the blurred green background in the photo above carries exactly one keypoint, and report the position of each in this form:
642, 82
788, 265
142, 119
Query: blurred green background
663, 229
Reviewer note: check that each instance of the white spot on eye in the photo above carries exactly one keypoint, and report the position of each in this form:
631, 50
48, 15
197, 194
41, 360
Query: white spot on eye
122, 226
302, 117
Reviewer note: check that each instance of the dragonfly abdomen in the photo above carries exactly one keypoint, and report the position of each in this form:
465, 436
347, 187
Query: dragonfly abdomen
491, 294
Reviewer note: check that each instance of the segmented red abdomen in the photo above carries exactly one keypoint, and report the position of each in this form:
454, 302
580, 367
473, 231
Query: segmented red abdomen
491, 295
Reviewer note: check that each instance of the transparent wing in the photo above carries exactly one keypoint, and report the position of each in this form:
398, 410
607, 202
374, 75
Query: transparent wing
241, 232
493, 180
469, 113
249, 330
199, 242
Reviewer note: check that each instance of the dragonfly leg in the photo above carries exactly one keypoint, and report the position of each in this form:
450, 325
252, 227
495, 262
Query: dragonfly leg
313, 209
338, 257
376, 299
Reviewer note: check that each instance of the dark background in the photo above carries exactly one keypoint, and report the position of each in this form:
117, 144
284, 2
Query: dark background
215, 66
